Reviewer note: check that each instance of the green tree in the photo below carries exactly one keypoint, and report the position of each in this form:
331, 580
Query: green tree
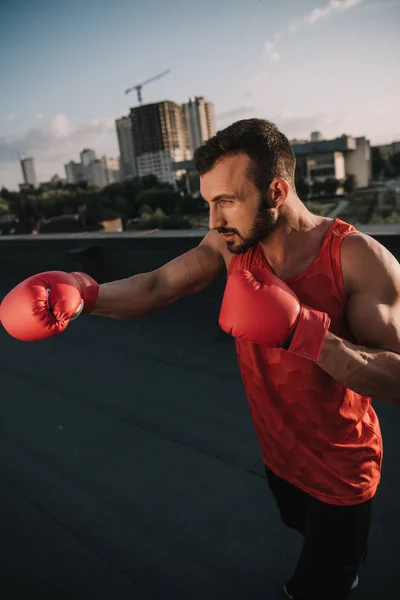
189, 205
303, 188
166, 222
159, 198
395, 163
350, 183
150, 181
121, 205
379, 163
330, 186
317, 187
5, 194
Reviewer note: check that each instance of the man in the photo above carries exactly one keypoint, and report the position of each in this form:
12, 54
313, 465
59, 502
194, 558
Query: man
314, 306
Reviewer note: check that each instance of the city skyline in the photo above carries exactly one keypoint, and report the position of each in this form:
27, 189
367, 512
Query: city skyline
320, 65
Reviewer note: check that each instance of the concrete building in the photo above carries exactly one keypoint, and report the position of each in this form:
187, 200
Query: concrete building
112, 169
98, 174
359, 162
316, 136
199, 120
28, 171
390, 149
160, 138
126, 148
88, 157
93, 171
322, 165
337, 158
74, 172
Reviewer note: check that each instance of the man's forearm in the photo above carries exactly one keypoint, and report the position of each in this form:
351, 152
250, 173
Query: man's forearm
367, 371
129, 298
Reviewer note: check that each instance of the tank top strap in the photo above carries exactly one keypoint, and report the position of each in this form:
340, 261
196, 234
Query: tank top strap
339, 232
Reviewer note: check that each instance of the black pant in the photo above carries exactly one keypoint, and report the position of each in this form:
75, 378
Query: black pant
335, 541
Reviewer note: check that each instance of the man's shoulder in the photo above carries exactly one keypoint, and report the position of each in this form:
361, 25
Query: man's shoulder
216, 243
358, 247
365, 260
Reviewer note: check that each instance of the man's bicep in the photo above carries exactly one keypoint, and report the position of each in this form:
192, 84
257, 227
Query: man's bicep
190, 272
373, 305
372, 323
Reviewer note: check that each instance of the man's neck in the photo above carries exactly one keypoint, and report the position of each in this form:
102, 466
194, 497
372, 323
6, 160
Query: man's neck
290, 243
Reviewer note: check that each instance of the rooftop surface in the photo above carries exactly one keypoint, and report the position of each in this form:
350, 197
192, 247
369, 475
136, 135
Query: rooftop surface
130, 469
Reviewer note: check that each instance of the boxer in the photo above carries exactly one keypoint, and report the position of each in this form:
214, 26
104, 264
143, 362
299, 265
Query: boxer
314, 307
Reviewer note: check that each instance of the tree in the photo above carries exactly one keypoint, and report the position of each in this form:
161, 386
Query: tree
190, 205
114, 190
303, 188
5, 194
149, 181
395, 163
350, 183
317, 187
379, 163
330, 186
159, 198
121, 205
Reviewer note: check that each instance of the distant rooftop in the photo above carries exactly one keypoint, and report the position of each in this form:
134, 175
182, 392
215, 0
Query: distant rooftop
340, 144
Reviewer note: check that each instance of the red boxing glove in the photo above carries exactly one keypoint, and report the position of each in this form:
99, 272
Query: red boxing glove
261, 308
42, 306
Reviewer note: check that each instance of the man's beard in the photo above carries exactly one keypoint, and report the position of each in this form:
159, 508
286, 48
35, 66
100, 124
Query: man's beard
264, 224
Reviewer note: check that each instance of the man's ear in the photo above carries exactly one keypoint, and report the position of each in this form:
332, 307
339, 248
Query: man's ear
277, 192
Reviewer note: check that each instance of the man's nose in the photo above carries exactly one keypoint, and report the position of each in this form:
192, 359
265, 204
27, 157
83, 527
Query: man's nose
216, 218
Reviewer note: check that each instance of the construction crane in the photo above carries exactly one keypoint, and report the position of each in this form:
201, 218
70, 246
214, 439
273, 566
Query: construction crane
139, 86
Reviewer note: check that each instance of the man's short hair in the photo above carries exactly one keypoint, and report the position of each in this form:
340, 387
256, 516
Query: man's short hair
268, 148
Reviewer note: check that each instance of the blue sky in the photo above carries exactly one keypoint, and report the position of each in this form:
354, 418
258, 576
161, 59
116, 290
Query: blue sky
331, 65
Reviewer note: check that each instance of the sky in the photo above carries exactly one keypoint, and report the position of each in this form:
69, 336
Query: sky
326, 65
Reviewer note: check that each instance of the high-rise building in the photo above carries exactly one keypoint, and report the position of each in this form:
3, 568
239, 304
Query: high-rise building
74, 172
111, 169
200, 120
126, 148
88, 157
316, 136
28, 171
98, 174
160, 138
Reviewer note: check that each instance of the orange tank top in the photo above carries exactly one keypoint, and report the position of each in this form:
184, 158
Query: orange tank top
313, 432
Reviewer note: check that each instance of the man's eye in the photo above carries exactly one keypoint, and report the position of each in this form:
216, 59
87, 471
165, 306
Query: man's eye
226, 201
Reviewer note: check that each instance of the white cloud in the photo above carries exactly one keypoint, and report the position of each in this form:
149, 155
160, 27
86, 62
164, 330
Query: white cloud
333, 6
321, 12
270, 49
59, 126
11, 117
318, 13
39, 115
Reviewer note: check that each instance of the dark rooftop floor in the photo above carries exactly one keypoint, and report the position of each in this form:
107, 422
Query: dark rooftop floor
130, 470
